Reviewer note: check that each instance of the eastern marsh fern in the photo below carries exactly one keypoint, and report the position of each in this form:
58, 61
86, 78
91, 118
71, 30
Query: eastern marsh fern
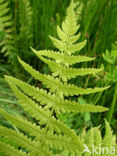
48, 134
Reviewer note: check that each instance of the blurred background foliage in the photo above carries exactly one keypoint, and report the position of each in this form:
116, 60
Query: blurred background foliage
31, 23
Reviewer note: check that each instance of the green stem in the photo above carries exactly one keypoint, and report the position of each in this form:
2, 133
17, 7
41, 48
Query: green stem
110, 114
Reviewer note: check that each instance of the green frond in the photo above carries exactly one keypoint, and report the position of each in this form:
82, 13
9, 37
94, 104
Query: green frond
94, 138
109, 140
30, 106
6, 40
97, 136
51, 100
64, 37
10, 151
64, 143
67, 34
62, 58
25, 13
55, 84
47, 80
26, 126
39, 95
70, 26
17, 139
79, 7
89, 139
68, 48
39, 113
3, 5
71, 90
35, 131
43, 106
72, 106
67, 72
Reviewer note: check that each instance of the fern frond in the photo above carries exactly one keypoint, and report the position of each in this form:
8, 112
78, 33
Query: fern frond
30, 106
25, 13
70, 49
53, 123
55, 84
94, 137
17, 139
7, 40
109, 140
39, 95
26, 126
67, 34
67, 72
97, 136
35, 130
51, 100
64, 143
49, 133
39, 113
10, 151
64, 37
70, 26
72, 106
62, 58
71, 90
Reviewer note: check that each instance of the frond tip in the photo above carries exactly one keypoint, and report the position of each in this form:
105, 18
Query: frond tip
68, 37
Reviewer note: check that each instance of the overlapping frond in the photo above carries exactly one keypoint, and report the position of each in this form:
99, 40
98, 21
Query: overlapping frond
34, 130
104, 145
17, 139
10, 150
55, 84
30, 106
68, 143
51, 100
23, 124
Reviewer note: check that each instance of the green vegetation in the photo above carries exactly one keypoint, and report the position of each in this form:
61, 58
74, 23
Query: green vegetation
66, 90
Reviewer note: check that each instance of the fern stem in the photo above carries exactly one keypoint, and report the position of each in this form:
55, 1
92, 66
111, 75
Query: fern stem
110, 114
46, 128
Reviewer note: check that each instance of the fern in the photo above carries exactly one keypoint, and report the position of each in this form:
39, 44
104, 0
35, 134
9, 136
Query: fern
25, 14
48, 133
93, 139
6, 30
